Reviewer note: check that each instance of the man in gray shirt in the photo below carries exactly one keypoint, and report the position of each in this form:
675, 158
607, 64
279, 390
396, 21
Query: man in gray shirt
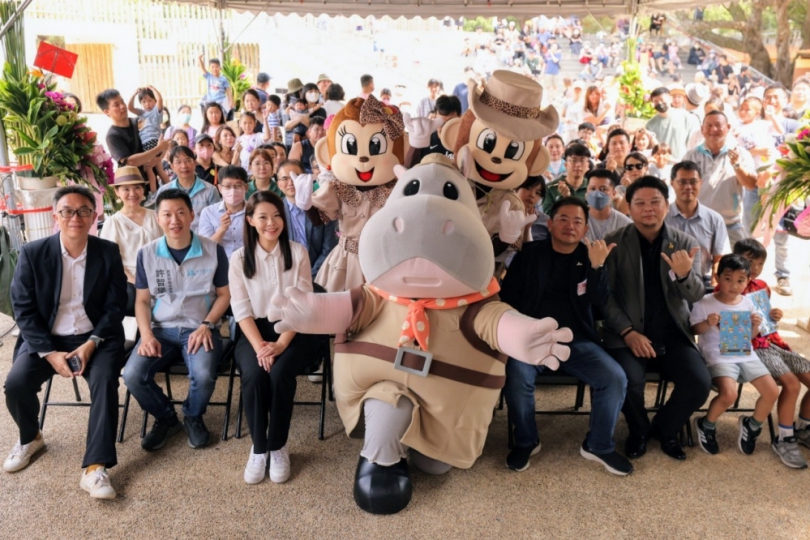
701, 222
603, 219
671, 126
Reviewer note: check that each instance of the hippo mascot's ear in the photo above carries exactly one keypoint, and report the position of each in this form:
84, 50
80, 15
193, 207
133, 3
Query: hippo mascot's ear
322, 153
541, 160
449, 133
465, 161
399, 171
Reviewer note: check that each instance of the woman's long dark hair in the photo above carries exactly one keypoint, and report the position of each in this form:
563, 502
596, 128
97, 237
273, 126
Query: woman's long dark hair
206, 123
251, 235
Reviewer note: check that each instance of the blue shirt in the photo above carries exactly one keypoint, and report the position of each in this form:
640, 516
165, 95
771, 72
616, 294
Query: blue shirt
297, 225
209, 223
216, 87
462, 92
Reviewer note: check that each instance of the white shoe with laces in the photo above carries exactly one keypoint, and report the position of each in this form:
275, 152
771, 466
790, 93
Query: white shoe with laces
256, 467
97, 484
280, 465
21, 455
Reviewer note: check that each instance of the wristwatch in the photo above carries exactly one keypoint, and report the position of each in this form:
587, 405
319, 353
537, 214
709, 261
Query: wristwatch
211, 326
97, 341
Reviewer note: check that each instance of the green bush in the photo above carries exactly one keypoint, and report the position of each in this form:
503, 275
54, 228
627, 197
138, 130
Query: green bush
485, 23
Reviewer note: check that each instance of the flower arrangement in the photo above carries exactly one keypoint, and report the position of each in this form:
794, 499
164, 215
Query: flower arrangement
45, 132
635, 97
793, 172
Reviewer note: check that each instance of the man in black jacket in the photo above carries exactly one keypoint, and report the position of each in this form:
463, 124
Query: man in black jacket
69, 294
563, 278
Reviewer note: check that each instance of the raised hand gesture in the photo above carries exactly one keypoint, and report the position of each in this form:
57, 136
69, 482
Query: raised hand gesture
598, 251
681, 261
512, 223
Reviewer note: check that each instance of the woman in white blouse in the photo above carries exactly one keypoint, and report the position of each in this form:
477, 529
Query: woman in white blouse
268, 362
132, 227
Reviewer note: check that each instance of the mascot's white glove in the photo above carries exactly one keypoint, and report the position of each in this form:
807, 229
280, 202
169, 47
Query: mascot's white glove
325, 177
311, 313
533, 341
419, 129
303, 190
512, 222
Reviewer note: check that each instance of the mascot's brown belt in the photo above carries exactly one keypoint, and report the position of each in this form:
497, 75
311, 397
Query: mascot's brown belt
348, 243
416, 362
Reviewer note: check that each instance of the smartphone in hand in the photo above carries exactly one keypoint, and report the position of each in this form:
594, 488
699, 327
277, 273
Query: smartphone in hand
75, 364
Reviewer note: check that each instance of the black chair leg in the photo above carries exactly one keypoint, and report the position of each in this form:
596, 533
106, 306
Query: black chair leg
771, 428
76, 389
124, 415
143, 426
229, 399
168, 386
44, 408
330, 378
739, 395
239, 410
323, 399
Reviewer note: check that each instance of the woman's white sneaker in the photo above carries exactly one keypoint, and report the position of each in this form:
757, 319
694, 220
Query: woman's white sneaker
256, 467
280, 465
21, 455
97, 484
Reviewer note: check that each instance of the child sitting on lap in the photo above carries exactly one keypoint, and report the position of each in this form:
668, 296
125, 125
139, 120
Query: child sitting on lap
725, 368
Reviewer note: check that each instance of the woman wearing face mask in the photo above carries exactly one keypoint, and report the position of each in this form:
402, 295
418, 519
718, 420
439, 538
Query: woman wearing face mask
226, 147
183, 124
556, 167
224, 222
132, 227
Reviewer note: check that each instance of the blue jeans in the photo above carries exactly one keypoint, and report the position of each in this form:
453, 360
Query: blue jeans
589, 363
139, 373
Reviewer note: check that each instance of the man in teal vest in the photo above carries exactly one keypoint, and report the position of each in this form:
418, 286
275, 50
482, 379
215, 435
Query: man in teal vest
182, 292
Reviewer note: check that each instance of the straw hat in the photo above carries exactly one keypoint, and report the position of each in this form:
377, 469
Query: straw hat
697, 94
676, 89
324, 77
294, 85
510, 104
127, 176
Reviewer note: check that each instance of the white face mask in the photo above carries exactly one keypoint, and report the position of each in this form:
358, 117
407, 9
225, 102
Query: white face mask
312, 97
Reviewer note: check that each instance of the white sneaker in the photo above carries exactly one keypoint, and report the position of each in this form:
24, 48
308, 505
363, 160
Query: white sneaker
316, 376
21, 455
280, 465
256, 466
97, 484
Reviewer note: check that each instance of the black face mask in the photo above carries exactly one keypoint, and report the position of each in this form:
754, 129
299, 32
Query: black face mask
661, 107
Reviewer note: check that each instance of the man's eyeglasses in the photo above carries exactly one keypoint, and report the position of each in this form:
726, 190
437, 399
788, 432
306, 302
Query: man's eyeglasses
82, 212
687, 182
636, 166
578, 161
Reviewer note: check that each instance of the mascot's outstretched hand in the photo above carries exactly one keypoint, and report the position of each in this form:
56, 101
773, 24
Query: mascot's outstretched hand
419, 129
533, 341
303, 190
311, 313
512, 222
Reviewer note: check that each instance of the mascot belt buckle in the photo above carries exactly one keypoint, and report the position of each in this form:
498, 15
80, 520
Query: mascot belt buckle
402, 351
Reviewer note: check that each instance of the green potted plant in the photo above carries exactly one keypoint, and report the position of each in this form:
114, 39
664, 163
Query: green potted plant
45, 132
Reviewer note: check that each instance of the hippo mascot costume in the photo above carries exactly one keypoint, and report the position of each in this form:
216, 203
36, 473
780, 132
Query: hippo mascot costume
423, 359
364, 142
503, 129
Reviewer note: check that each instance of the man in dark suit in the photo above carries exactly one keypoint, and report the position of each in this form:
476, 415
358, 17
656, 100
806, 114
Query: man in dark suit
654, 276
563, 278
69, 295
318, 239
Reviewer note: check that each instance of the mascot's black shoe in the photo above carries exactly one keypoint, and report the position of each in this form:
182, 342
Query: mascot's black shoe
382, 490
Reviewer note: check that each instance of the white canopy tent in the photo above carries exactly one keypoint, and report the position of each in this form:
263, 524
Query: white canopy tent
451, 8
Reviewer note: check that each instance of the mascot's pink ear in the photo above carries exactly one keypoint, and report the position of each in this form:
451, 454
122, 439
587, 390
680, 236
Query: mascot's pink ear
399, 171
465, 161
449, 133
322, 152
541, 161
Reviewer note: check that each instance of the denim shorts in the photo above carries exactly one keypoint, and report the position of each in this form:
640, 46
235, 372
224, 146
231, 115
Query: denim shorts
742, 372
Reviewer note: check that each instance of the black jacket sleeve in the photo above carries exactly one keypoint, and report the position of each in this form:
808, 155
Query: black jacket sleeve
33, 328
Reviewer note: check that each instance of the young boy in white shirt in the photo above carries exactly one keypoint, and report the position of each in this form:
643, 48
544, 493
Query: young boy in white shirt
727, 369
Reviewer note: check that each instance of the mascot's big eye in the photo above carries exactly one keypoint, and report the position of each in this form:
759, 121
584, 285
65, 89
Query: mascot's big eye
514, 150
348, 144
450, 191
486, 141
412, 188
378, 144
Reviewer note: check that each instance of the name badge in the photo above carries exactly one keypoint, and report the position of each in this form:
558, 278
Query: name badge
581, 287
672, 275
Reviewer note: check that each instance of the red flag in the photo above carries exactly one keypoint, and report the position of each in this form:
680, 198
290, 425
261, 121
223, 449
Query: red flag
55, 60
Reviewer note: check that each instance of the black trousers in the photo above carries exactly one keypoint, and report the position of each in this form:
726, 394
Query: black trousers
268, 397
682, 366
29, 372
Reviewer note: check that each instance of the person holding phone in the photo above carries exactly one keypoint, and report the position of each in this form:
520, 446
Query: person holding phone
69, 293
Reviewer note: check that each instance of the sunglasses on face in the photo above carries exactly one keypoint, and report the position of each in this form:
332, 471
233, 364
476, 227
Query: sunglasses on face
636, 166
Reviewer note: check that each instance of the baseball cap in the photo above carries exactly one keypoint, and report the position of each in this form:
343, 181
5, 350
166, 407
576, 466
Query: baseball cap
263, 78
202, 137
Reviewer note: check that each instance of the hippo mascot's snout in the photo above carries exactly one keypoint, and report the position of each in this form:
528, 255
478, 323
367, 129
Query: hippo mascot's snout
420, 357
